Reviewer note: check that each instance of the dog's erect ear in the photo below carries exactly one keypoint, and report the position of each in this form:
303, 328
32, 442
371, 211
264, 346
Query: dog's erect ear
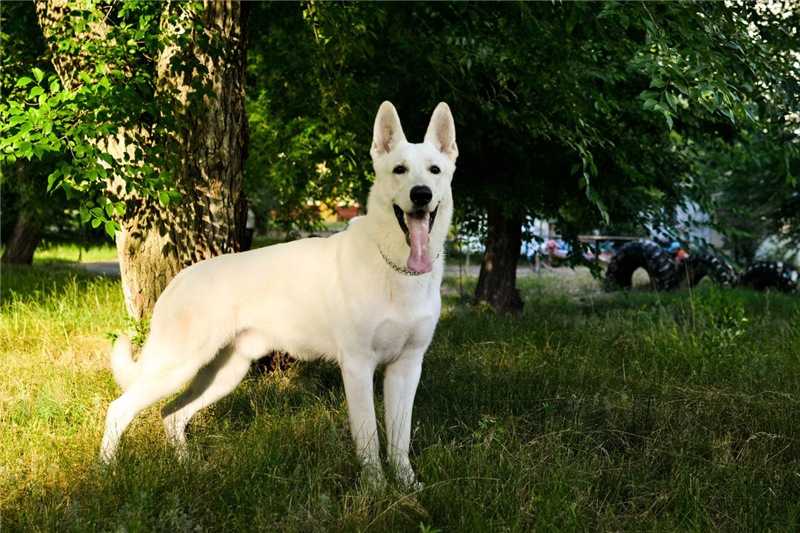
387, 132
442, 131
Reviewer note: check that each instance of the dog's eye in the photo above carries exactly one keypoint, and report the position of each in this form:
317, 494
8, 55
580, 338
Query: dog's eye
399, 169
434, 169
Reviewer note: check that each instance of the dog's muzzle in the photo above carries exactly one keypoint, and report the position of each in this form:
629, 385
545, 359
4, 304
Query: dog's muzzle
419, 214
417, 226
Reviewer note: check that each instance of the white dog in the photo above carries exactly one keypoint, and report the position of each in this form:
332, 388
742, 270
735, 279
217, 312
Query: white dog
364, 297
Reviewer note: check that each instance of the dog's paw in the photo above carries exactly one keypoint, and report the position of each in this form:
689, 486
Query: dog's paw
406, 477
107, 456
416, 486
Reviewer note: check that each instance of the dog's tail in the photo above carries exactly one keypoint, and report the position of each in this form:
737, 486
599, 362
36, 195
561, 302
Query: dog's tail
123, 366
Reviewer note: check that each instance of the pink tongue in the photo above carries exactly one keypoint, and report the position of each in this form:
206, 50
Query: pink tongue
419, 260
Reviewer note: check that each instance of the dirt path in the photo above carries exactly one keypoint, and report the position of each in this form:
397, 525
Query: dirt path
105, 268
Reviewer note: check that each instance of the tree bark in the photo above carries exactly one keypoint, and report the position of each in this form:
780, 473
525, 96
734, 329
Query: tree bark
497, 282
156, 242
27, 232
25, 238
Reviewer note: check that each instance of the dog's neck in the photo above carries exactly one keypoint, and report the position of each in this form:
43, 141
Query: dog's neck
390, 242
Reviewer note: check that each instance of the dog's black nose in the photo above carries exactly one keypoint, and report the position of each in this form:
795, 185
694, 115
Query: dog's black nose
421, 195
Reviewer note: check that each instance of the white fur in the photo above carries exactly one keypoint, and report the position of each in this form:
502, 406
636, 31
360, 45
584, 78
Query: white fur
335, 298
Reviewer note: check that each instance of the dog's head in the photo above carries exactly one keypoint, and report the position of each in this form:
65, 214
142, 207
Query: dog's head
412, 181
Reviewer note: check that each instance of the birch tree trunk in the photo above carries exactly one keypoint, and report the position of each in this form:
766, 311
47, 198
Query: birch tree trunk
206, 102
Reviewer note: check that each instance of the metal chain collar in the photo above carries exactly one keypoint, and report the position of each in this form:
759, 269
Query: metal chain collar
403, 270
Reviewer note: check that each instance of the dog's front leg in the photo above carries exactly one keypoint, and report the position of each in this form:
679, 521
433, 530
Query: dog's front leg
400, 386
357, 374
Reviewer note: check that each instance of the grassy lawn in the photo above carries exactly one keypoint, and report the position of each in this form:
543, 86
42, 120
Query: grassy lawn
631, 411
52, 253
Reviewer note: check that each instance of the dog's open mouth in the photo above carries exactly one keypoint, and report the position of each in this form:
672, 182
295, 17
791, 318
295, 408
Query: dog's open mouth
417, 226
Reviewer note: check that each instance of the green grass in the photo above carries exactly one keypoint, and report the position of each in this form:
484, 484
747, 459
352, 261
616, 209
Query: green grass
631, 411
50, 253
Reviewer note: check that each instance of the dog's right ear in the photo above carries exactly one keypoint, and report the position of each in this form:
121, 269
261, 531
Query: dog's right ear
387, 132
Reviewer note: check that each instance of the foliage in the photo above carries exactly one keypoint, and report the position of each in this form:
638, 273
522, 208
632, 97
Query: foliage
297, 158
590, 412
750, 185
24, 183
568, 111
296, 163
575, 112
112, 99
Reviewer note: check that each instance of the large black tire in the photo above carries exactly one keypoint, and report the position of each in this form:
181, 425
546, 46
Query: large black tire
641, 254
697, 266
770, 275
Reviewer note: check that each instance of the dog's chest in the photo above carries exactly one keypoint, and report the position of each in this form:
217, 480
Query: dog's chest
395, 335
402, 325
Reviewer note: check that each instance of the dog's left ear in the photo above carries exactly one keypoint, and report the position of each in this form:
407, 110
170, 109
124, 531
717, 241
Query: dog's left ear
442, 131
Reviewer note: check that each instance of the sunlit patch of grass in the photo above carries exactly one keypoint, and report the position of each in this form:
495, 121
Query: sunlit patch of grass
592, 411
50, 253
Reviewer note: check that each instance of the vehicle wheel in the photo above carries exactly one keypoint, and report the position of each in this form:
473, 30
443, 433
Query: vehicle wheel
646, 255
697, 266
770, 275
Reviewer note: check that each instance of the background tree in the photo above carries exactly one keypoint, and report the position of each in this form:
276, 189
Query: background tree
573, 112
149, 102
26, 208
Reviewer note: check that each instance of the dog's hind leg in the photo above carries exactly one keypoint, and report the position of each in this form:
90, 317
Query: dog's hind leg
168, 361
149, 387
214, 381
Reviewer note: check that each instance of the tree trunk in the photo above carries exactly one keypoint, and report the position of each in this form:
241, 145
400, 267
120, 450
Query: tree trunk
497, 282
25, 238
156, 242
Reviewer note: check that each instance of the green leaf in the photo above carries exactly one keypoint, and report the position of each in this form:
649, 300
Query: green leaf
36, 91
85, 215
24, 81
52, 179
111, 228
163, 198
54, 86
38, 74
96, 222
